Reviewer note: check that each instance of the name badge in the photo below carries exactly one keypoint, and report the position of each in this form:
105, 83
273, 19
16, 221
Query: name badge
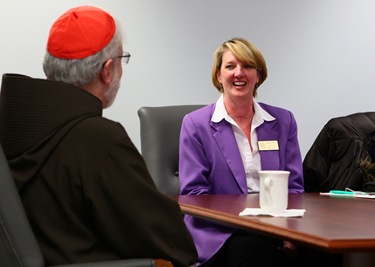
268, 145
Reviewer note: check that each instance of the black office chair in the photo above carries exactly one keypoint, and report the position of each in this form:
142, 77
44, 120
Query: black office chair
342, 155
160, 134
18, 245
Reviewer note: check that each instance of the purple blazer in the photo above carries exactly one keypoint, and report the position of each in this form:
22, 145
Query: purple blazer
210, 163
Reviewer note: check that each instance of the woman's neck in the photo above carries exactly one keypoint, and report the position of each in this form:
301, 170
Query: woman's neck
241, 112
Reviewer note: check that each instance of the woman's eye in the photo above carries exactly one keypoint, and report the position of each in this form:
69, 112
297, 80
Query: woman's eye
229, 67
249, 67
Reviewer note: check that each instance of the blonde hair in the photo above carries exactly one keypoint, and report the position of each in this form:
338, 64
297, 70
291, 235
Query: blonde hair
244, 51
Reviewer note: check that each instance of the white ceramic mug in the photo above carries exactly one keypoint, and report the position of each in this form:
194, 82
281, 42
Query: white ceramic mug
273, 191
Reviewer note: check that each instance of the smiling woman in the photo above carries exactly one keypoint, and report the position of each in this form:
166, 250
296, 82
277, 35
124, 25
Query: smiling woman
238, 81
241, 51
221, 141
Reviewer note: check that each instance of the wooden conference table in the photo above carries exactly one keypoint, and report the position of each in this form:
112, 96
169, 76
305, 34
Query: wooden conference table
331, 224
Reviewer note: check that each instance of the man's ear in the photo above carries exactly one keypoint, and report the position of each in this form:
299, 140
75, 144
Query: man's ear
107, 71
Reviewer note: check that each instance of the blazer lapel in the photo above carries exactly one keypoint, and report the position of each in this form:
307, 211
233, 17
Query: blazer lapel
227, 144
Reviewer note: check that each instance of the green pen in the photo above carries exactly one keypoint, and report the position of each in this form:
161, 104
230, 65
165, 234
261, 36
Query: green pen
347, 193
342, 192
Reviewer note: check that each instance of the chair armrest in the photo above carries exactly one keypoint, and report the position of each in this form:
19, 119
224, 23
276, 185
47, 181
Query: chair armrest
123, 263
162, 263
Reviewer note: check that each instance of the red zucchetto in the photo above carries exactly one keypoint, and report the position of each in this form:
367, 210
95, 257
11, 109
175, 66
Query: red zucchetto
80, 32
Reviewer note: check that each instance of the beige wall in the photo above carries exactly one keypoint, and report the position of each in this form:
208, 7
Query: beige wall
320, 53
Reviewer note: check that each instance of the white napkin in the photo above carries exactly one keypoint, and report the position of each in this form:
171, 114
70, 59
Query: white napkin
287, 213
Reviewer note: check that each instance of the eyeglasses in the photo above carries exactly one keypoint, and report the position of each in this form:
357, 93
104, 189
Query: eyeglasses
125, 57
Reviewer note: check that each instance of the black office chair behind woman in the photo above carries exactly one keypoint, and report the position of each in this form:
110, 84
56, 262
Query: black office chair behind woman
160, 135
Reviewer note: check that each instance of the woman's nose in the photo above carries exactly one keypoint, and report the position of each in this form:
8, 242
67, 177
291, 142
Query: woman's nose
238, 72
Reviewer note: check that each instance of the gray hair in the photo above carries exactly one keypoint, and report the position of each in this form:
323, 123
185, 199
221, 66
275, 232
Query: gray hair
81, 72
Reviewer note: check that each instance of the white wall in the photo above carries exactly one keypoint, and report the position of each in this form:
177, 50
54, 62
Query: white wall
320, 53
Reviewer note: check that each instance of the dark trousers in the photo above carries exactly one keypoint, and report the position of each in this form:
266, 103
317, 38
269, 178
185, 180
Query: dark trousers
247, 249
244, 249
308, 257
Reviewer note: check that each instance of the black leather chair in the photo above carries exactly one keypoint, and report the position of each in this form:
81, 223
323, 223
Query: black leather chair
160, 134
18, 245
